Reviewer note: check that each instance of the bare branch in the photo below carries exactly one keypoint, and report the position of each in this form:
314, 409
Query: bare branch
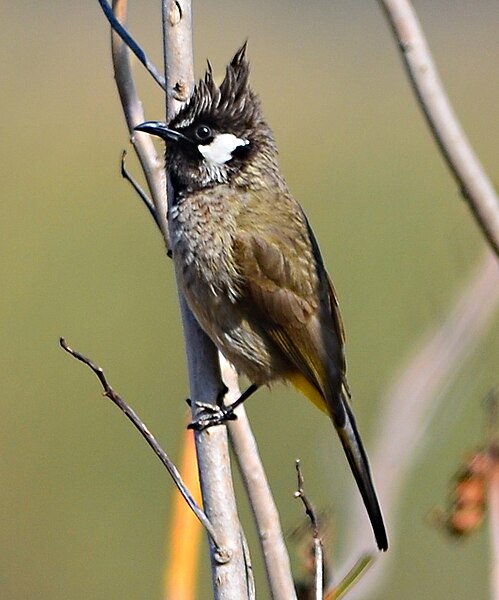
177, 19
265, 513
152, 166
233, 578
147, 435
475, 186
131, 43
318, 550
248, 565
309, 509
139, 191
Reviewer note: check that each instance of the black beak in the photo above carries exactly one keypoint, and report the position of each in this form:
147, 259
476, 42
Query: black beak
161, 130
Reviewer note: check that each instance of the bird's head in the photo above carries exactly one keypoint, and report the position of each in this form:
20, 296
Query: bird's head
219, 134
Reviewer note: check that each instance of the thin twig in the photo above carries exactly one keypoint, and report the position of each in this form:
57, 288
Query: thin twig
140, 192
317, 542
248, 565
132, 44
152, 165
475, 185
147, 435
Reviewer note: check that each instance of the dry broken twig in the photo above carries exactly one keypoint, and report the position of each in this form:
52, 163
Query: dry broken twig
147, 435
317, 541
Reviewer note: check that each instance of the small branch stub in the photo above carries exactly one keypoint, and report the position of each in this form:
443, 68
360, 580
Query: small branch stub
175, 14
317, 542
222, 555
181, 91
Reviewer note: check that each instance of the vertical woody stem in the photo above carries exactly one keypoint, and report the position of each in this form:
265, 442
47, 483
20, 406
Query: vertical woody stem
229, 568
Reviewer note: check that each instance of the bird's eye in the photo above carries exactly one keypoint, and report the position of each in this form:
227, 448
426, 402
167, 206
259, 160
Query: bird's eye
203, 133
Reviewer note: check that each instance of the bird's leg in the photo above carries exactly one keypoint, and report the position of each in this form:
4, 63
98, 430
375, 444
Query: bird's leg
217, 414
221, 395
249, 391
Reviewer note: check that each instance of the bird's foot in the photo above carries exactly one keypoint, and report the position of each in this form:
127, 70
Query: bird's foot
218, 414
210, 414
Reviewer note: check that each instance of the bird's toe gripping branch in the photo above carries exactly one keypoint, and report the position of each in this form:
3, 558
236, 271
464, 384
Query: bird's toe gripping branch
210, 415
218, 414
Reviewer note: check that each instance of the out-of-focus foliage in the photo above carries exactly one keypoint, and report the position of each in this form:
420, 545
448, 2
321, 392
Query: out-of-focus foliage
83, 502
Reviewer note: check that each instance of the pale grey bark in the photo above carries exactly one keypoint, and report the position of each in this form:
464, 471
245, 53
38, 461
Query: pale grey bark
474, 183
267, 521
230, 569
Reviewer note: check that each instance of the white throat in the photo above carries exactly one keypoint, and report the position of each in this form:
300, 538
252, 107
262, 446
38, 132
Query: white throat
221, 148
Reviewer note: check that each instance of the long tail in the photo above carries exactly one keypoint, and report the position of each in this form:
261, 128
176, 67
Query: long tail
357, 459
337, 407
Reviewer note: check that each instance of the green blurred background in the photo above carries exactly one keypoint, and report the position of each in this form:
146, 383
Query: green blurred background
83, 502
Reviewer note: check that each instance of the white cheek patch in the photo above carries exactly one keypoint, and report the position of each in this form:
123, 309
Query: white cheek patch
221, 148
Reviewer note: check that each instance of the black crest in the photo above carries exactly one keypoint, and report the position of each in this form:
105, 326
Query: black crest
233, 103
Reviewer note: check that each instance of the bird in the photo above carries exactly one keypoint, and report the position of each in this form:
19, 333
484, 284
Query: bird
247, 260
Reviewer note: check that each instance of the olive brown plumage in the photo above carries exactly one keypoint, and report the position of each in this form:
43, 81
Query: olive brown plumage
247, 260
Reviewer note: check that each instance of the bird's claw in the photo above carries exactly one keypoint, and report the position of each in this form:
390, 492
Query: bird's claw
211, 415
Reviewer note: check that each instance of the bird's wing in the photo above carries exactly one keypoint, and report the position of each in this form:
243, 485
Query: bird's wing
332, 313
284, 280
271, 296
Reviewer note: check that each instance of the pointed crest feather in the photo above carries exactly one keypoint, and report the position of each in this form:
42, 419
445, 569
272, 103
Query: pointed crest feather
232, 101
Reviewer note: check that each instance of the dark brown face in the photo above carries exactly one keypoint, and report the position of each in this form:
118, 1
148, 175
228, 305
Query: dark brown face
220, 132
206, 155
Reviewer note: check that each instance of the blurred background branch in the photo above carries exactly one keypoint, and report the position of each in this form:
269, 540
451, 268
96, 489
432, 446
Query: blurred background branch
475, 185
413, 400
183, 534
